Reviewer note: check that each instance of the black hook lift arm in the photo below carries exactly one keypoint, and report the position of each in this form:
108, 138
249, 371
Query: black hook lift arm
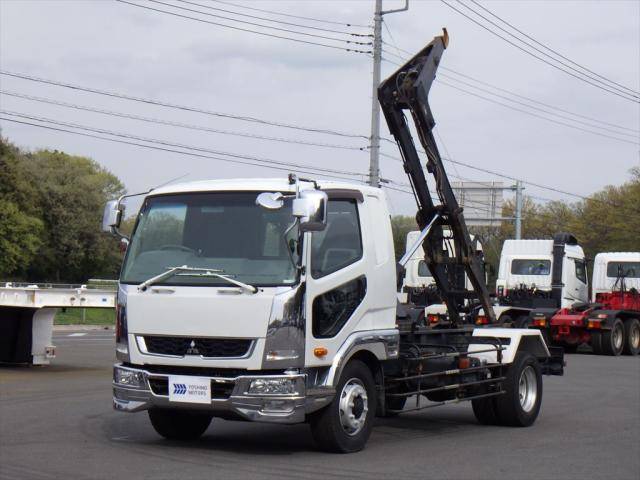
408, 89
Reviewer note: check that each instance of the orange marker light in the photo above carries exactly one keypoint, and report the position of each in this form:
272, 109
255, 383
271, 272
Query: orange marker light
320, 351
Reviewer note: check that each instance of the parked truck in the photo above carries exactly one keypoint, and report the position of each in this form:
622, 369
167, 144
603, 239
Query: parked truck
274, 300
610, 323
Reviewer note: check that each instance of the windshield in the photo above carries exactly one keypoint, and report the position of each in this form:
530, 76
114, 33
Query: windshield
530, 267
222, 231
628, 269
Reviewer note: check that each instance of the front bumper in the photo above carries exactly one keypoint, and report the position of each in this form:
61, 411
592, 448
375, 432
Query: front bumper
236, 402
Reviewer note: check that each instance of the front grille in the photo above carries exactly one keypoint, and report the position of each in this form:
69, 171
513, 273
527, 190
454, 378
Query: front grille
219, 390
207, 347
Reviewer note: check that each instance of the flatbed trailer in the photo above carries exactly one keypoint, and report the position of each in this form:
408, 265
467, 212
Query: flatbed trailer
27, 312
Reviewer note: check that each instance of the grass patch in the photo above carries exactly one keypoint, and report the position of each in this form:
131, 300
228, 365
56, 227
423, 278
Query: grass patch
90, 316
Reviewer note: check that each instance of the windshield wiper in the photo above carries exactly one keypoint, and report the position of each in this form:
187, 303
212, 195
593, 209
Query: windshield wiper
185, 270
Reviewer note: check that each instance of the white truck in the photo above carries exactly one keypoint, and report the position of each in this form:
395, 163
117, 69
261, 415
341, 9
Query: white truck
534, 274
274, 300
418, 285
26, 317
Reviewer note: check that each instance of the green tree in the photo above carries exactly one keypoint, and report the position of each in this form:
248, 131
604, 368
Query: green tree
400, 226
19, 240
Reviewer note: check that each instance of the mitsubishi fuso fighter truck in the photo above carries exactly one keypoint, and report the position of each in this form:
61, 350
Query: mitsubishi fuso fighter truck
274, 300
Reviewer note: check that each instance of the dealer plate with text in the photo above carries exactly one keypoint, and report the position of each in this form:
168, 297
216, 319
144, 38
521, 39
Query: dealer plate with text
188, 389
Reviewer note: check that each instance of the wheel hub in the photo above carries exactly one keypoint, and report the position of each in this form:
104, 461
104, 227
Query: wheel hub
635, 336
617, 337
528, 388
353, 406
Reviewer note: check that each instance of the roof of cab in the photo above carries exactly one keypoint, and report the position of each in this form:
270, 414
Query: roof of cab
257, 184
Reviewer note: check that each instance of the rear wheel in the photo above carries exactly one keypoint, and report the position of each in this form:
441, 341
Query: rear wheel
485, 411
345, 425
632, 336
613, 340
520, 404
522, 321
393, 403
179, 424
506, 318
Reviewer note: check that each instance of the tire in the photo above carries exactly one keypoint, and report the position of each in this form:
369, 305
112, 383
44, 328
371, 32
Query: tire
522, 321
631, 336
596, 343
393, 403
518, 408
613, 340
179, 424
506, 318
485, 411
355, 394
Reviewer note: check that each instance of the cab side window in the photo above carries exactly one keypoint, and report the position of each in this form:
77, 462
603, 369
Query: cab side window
581, 271
340, 243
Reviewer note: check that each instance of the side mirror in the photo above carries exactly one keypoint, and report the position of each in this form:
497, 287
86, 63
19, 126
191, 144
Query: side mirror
111, 216
311, 209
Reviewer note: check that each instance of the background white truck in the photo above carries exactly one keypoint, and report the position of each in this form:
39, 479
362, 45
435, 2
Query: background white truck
274, 300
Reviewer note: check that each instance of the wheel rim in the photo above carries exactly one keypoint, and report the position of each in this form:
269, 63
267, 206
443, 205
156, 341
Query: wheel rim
635, 336
354, 405
528, 388
617, 336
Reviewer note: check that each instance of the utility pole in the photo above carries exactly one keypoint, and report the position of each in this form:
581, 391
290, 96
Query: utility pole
519, 188
374, 146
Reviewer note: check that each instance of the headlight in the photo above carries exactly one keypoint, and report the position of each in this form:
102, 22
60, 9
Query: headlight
128, 378
272, 386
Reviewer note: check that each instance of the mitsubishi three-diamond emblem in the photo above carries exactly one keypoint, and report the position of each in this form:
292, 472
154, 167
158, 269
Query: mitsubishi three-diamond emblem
192, 350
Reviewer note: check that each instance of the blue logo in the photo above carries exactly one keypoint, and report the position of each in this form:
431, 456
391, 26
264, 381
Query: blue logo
179, 389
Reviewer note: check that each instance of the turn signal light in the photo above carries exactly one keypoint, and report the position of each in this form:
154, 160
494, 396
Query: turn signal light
482, 320
594, 324
539, 322
320, 351
433, 318
464, 362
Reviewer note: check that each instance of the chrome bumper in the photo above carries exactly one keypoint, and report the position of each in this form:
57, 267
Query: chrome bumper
240, 404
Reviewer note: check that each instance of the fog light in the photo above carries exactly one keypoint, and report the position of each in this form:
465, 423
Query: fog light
272, 386
278, 406
128, 378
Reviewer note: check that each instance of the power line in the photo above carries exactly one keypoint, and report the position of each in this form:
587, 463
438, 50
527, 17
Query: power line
526, 112
635, 136
282, 22
331, 22
533, 100
615, 91
176, 124
538, 116
171, 150
181, 107
307, 42
552, 50
171, 144
254, 24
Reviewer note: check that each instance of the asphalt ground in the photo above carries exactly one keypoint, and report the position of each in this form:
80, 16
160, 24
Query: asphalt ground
56, 422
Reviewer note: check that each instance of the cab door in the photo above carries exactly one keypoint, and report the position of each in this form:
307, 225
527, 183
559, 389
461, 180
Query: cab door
577, 287
336, 280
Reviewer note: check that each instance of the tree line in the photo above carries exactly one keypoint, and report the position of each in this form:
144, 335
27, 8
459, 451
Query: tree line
607, 221
51, 207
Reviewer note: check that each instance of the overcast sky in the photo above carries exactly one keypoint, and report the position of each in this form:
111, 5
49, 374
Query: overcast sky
117, 47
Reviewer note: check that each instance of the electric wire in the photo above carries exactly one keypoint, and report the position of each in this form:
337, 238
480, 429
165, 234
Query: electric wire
175, 124
282, 22
260, 161
293, 16
260, 25
552, 50
526, 112
180, 107
282, 37
615, 91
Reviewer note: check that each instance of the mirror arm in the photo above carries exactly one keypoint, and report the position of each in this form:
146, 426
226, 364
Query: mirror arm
284, 238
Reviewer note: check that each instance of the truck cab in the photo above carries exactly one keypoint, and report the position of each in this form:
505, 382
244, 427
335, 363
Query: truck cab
609, 267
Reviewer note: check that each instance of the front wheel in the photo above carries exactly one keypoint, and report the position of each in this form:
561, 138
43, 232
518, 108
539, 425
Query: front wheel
179, 424
520, 404
345, 425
